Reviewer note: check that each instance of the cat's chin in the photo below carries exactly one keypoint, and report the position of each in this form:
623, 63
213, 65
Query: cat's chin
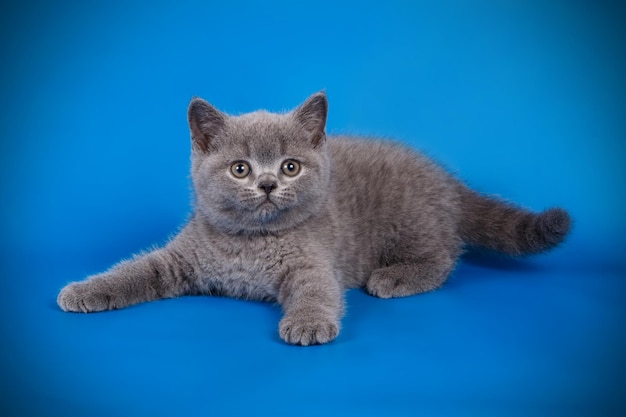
267, 211
269, 218
271, 215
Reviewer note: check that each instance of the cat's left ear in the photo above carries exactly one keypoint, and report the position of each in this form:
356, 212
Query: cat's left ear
311, 115
205, 122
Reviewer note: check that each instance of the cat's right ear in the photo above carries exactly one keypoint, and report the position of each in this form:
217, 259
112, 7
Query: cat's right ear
205, 122
311, 115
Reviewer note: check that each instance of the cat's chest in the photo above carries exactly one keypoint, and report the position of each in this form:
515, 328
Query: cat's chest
259, 255
250, 267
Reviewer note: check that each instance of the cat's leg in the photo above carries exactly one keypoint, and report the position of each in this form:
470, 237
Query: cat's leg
312, 300
163, 273
412, 276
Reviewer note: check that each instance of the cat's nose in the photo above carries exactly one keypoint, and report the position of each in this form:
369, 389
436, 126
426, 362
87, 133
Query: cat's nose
268, 186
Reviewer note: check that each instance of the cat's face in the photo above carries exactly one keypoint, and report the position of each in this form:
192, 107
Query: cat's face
259, 172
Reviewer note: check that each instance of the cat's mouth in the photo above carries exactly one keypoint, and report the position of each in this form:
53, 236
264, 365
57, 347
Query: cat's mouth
267, 203
267, 210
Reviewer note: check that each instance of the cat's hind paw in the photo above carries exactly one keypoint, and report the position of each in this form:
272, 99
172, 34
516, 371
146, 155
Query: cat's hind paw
406, 280
84, 297
307, 329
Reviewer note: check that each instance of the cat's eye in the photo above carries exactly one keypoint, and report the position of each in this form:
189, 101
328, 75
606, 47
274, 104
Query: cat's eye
290, 167
240, 169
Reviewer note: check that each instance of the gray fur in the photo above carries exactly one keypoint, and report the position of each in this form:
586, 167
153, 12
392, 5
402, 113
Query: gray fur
361, 213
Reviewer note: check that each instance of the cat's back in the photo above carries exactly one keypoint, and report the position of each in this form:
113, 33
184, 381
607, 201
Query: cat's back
379, 170
383, 192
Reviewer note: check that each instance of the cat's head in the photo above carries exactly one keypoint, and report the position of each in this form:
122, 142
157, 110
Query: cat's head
259, 172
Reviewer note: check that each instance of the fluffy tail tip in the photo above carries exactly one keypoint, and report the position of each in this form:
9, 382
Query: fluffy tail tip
554, 224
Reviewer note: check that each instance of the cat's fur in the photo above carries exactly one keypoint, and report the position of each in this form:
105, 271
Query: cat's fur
361, 213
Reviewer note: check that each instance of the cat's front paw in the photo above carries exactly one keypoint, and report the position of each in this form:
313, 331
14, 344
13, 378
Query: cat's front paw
85, 297
308, 329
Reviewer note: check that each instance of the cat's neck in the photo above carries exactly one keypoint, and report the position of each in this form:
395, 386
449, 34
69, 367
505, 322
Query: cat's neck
275, 229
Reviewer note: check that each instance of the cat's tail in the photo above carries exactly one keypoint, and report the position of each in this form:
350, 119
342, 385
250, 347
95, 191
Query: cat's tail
503, 227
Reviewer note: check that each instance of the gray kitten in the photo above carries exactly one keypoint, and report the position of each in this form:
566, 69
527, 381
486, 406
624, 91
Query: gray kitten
285, 215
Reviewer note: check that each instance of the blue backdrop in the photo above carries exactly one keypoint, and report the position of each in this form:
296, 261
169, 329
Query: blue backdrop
522, 99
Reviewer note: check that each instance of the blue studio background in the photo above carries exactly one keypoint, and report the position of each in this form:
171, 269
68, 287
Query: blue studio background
522, 99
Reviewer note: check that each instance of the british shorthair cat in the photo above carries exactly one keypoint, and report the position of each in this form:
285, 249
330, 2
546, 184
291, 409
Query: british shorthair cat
285, 214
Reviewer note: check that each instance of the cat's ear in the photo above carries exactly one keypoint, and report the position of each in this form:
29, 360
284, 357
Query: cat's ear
311, 115
205, 122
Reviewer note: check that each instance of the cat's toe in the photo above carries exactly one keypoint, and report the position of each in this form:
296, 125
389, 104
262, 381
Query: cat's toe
307, 331
80, 297
406, 280
381, 285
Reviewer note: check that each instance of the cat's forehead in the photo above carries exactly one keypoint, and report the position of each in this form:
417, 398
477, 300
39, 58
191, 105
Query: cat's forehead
264, 136
260, 120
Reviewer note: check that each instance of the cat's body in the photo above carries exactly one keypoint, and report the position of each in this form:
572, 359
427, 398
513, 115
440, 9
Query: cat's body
285, 215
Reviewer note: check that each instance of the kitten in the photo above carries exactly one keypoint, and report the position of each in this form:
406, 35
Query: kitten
285, 215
